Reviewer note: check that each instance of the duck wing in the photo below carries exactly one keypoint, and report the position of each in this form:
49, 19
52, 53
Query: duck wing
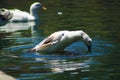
51, 40
48, 40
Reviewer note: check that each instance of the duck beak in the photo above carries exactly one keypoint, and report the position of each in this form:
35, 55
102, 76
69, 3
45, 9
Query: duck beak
44, 8
89, 48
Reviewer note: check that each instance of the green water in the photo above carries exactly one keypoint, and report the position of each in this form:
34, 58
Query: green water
100, 19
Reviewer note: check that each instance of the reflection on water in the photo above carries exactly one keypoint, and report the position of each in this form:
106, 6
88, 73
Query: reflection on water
12, 27
94, 18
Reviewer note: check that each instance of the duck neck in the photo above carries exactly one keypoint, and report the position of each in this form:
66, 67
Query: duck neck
34, 13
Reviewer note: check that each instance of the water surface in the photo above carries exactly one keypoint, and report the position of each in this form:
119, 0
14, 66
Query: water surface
100, 19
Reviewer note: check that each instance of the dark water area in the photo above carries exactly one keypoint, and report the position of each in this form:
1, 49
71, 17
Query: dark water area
99, 19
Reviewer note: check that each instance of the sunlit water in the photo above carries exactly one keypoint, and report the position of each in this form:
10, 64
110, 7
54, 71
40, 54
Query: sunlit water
94, 18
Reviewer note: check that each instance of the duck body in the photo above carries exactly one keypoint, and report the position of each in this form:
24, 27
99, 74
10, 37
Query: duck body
60, 40
21, 16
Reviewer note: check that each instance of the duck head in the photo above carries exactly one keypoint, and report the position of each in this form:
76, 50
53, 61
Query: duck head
87, 40
35, 7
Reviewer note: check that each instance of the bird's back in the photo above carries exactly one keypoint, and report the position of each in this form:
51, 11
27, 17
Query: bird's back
19, 15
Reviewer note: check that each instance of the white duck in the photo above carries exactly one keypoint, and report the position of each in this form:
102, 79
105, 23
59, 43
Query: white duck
61, 39
21, 16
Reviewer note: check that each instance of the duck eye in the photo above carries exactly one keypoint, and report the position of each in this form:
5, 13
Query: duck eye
2, 10
62, 34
